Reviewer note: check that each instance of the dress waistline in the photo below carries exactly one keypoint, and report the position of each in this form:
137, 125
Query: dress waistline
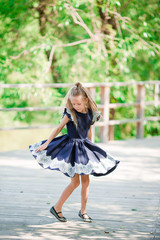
78, 139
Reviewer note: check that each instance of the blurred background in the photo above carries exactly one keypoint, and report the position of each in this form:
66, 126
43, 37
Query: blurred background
44, 41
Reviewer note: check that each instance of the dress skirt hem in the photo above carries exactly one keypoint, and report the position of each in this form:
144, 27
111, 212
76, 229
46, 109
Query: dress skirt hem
74, 156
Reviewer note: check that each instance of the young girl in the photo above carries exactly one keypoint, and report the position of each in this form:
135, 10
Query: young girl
73, 153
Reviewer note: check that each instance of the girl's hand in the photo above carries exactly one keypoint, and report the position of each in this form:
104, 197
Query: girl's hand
42, 147
64, 121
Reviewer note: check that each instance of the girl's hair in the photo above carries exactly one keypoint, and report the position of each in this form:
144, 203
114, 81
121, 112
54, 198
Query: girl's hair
77, 90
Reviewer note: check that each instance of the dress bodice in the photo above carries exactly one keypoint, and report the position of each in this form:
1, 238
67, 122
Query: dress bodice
74, 153
84, 121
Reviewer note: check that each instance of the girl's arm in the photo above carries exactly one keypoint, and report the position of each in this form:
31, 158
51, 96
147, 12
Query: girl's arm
90, 133
56, 131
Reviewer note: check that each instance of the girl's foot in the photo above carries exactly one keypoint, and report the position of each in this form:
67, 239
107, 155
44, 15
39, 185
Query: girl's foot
56, 214
85, 217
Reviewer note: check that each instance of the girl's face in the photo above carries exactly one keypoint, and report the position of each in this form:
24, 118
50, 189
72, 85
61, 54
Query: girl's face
79, 103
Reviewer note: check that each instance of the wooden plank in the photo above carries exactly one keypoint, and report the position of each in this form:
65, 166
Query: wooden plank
123, 205
68, 85
92, 92
156, 95
28, 127
123, 84
152, 118
140, 110
105, 99
123, 121
31, 109
103, 106
100, 106
150, 103
37, 85
97, 124
116, 105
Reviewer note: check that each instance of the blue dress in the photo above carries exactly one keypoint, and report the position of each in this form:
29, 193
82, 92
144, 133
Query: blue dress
73, 152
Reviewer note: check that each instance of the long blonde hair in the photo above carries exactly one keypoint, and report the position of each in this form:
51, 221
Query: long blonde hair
77, 90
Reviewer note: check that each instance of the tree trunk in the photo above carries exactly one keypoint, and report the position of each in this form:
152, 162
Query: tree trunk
107, 20
44, 18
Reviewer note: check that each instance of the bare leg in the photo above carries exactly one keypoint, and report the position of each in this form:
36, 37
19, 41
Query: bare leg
84, 192
66, 193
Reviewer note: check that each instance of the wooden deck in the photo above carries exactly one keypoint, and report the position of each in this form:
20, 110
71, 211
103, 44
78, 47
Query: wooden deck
124, 204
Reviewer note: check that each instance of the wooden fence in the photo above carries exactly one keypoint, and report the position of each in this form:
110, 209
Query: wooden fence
105, 106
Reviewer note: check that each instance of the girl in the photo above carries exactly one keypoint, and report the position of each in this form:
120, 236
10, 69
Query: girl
73, 153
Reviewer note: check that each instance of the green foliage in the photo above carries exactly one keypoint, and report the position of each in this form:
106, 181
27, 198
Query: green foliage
152, 129
124, 48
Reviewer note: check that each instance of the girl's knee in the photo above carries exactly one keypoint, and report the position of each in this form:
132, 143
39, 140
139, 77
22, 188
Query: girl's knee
75, 182
85, 181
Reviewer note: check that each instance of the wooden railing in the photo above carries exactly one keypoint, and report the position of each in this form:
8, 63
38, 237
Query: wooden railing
105, 106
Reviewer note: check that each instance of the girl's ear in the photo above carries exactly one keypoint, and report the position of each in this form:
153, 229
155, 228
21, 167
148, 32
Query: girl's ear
86, 100
86, 103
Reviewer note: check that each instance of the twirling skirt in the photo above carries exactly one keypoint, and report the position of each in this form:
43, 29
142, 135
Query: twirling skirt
74, 155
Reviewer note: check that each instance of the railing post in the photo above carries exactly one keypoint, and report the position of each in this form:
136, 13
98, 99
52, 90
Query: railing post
105, 99
156, 95
140, 110
92, 91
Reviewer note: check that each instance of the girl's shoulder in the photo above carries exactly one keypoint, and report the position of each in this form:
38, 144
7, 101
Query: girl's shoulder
95, 116
68, 113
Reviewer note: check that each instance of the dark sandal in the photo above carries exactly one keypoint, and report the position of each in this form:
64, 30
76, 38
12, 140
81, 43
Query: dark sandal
85, 217
53, 211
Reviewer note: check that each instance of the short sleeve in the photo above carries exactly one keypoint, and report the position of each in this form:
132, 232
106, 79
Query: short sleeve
96, 117
68, 113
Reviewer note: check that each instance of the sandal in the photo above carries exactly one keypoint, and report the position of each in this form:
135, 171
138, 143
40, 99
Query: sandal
53, 211
85, 217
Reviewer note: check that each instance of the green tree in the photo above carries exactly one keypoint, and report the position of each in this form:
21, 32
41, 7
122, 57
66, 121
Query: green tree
46, 41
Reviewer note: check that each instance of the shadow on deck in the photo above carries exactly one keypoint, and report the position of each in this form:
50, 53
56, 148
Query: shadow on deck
124, 204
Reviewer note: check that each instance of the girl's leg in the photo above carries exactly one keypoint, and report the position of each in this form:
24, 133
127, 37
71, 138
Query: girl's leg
66, 193
84, 192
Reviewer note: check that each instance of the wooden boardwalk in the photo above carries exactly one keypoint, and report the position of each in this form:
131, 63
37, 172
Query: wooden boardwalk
124, 204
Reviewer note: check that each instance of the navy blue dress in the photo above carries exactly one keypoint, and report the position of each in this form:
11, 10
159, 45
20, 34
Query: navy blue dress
73, 152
